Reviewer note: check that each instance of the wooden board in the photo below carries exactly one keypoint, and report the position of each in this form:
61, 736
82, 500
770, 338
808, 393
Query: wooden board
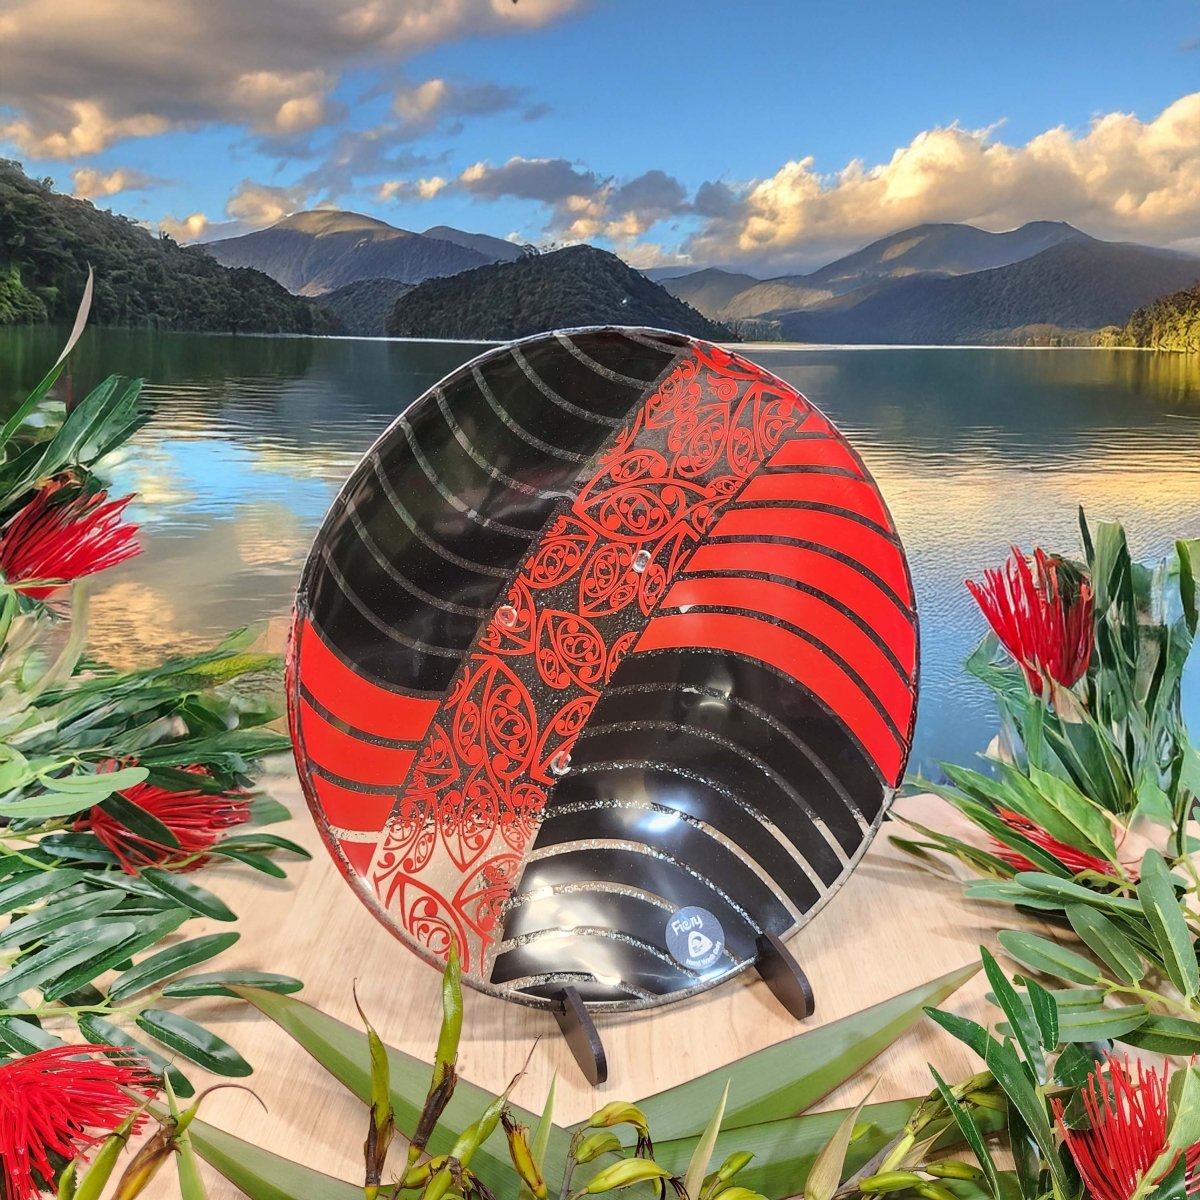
891, 927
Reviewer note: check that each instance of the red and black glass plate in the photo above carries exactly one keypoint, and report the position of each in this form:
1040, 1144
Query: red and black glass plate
603, 665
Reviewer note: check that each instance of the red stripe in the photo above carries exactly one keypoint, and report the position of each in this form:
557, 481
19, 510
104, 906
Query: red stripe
347, 809
355, 700
816, 452
812, 488
793, 655
830, 575
358, 854
843, 534
325, 744
829, 625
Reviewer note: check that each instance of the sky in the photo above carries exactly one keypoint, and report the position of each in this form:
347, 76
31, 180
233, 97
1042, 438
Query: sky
762, 135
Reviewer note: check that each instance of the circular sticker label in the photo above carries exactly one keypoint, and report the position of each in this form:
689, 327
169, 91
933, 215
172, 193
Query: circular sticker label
695, 938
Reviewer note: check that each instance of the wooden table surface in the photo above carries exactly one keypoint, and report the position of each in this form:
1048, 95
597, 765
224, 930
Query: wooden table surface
891, 927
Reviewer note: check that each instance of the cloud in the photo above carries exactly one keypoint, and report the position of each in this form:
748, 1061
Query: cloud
258, 204
582, 204
77, 80
425, 106
91, 183
1121, 178
186, 230
411, 189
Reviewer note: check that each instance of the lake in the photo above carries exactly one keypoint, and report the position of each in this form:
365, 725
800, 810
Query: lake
974, 450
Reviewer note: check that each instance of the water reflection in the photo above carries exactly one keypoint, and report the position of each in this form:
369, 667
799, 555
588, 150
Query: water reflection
973, 449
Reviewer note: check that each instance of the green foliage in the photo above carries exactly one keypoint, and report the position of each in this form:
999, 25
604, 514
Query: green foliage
83, 931
1171, 322
362, 308
741, 1119
48, 241
562, 290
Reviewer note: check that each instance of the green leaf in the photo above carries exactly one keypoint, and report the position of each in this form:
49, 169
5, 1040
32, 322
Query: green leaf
1041, 954
252, 841
972, 1136
138, 821
1106, 941
96, 1029
261, 1175
343, 1051
698, 1164
27, 889
1166, 1035
969, 1032
170, 962
47, 966
264, 810
541, 1134
1020, 1018
1101, 1024
78, 847
54, 916
1070, 892
218, 983
784, 1150
194, 1042
791, 1076
1010, 1073
1183, 1108
97, 784
1045, 1012
189, 894
1187, 586
1092, 829
259, 862
825, 1175
1161, 906
47, 806
144, 931
26, 1037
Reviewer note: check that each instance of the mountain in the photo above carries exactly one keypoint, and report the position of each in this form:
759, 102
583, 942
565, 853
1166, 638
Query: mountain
1077, 285
945, 249
710, 290
1171, 322
47, 242
494, 248
362, 308
578, 285
315, 252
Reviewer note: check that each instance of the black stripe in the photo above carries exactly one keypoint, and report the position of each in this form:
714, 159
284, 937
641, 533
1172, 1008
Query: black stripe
804, 635
819, 734
372, 662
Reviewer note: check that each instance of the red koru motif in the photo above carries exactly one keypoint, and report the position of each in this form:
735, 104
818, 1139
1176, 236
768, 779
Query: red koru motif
471, 803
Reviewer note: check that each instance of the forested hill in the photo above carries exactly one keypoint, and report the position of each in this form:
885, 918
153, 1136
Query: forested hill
579, 285
48, 240
1169, 323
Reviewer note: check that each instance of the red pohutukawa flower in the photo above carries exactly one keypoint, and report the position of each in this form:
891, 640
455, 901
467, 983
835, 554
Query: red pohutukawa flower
196, 818
63, 534
1047, 631
1127, 1131
1076, 861
59, 1102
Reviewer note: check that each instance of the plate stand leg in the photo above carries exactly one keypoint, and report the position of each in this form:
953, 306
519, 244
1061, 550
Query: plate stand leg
782, 974
577, 1027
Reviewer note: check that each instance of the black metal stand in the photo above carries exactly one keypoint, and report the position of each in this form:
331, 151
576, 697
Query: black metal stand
782, 974
576, 1025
